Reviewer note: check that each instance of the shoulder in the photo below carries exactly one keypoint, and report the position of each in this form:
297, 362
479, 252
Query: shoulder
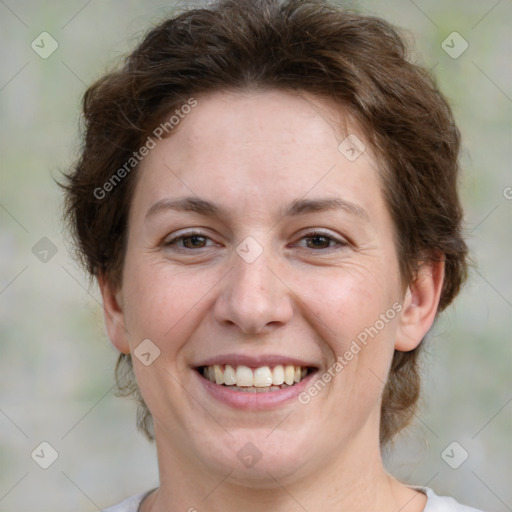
130, 505
437, 503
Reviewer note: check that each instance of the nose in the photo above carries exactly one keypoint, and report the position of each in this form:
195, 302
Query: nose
253, 297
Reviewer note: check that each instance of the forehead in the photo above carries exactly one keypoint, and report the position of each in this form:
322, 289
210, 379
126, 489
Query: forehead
267, 123
255, 149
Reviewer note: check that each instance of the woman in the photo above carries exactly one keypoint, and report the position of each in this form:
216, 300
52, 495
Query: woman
267, 196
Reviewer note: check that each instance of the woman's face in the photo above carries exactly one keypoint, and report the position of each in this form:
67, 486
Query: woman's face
257, 242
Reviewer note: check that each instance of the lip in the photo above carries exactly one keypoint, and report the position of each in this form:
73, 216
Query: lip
253, 401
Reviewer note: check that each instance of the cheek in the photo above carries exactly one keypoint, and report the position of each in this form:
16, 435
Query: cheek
349, 301
157, 299
356, 314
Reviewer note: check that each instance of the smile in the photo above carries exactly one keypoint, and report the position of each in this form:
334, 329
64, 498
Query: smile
254, 380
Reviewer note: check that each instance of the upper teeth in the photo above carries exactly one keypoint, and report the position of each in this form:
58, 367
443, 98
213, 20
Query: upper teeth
258, 377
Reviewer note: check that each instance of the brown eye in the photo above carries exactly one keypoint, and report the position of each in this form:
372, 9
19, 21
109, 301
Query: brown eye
188, 241
319, 241
194, 242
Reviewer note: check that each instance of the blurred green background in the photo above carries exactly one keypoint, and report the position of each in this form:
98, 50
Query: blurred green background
56, 364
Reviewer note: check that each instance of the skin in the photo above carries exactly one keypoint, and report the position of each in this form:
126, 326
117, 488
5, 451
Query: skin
253, 154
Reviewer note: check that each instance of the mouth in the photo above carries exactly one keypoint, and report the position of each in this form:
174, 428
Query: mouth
262, 379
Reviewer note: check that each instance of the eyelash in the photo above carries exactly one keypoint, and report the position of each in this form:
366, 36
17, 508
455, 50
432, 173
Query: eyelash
309, 235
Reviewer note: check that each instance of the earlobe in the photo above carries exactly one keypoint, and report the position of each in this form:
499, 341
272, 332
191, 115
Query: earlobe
420, 305
114, 315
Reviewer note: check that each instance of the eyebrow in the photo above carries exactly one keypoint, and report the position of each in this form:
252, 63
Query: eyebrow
295, 208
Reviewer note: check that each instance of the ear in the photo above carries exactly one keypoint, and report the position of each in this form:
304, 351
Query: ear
114, 315
420, 305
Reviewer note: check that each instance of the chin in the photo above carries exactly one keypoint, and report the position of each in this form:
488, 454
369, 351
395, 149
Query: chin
261, 458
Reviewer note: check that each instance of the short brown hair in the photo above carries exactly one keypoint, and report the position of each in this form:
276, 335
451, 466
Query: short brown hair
309, 46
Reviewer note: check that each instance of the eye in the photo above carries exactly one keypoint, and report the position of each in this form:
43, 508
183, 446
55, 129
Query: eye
321, 240
197, 240
192, 240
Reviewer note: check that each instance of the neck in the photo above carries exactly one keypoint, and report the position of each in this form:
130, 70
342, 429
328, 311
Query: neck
355, 482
